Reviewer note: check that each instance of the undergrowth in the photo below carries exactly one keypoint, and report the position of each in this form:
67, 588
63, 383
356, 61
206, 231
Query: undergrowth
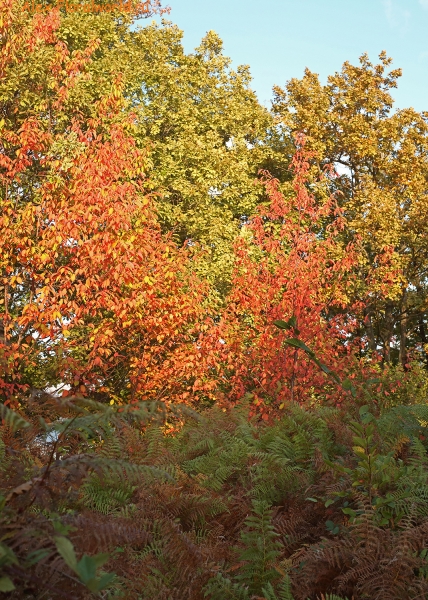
325, 503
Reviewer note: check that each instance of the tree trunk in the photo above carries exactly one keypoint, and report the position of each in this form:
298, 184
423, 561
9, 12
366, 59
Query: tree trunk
369, 328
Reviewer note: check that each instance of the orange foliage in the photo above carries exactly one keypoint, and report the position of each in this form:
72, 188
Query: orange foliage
96, 297
92, 288
292, 266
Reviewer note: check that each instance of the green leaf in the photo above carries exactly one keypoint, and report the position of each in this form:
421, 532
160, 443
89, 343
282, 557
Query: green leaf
6, 584
296, 343
100, 559
324, 368
290, 324
105, 580
66, 550
332, 527
7, 556
86, 568
357, 427
349, 387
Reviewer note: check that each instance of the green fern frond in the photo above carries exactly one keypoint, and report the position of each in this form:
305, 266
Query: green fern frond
112, 447
284, 591
104, 496
154, 439
220, 588
12, 419
261, 549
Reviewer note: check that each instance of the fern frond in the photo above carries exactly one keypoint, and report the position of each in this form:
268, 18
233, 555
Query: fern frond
220, 588
284, 591
12, 419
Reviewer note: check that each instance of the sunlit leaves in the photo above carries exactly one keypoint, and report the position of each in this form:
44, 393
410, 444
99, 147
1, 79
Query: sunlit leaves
95, 296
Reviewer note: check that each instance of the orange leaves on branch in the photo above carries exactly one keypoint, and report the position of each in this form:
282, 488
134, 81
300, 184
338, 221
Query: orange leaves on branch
289, 265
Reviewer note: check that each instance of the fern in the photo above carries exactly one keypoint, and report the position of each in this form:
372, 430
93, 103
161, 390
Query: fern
221, 588
284, 591
106, 496
261, 549
220, 507
12, 419
221, 463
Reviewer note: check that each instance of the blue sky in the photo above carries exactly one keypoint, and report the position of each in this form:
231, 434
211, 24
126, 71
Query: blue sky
279, 38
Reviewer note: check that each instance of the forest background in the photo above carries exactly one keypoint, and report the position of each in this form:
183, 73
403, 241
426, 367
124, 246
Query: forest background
174, 253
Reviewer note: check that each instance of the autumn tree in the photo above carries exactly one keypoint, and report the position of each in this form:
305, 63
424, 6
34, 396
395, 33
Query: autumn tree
290, 266
381, 156
93, 294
